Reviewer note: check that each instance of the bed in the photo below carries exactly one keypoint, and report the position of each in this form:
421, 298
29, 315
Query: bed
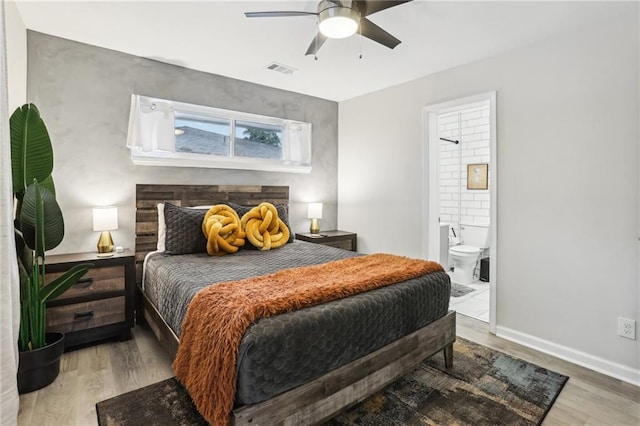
286, 373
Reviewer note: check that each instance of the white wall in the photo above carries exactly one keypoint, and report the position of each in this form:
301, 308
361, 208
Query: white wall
567, 150
13, 50
16, 34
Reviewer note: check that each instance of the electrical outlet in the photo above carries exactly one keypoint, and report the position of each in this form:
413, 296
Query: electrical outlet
627, 328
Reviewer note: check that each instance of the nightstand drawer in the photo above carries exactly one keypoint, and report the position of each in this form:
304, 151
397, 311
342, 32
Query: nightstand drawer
81, 316
96, 280
345, 244
101, 305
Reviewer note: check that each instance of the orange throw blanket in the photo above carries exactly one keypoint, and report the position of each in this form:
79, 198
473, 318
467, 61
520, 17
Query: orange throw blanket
219, 315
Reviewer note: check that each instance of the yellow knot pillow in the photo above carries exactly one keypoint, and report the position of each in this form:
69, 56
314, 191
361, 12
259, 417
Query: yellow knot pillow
264, 229
221, 228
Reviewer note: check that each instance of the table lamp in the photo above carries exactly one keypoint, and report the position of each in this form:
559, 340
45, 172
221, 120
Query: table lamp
315, 213
105, 219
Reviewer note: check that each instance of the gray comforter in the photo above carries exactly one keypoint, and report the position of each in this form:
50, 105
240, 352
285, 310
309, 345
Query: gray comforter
282, 352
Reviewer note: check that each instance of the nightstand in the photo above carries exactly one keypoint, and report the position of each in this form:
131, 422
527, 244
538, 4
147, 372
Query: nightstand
100, 305
340, 239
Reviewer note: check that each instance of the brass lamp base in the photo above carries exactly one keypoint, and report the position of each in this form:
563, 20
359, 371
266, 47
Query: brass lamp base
315, 226
105, 243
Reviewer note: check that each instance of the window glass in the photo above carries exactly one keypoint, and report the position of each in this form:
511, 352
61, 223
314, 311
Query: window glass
202, 135
258, 140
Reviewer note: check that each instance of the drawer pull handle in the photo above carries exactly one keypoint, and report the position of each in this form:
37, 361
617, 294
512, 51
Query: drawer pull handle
83, 314
84, 282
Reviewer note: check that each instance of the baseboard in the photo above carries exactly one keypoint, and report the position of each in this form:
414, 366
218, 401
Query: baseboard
601, 365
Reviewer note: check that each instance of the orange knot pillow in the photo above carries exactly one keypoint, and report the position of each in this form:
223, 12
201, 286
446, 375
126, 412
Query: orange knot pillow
264, 229
221, 228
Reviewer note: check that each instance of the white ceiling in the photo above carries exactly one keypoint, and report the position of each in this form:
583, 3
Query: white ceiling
216, 37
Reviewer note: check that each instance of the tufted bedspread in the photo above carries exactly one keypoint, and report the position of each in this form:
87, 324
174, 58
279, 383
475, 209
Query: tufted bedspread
285, 351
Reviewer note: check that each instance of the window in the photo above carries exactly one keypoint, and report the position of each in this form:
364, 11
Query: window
202, 135
168, 133
258, 140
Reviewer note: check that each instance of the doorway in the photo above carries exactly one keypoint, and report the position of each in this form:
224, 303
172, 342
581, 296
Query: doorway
461, 199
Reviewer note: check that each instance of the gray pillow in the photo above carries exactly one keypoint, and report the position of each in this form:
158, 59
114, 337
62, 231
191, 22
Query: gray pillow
184, 230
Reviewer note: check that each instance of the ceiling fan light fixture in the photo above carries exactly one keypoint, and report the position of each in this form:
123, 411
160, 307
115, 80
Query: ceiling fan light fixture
338, 22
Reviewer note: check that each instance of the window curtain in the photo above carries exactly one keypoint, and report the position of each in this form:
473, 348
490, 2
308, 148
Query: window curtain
151, 125
297, 137
9, 282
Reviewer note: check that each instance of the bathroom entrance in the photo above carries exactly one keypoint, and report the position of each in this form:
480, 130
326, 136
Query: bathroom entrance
461, 192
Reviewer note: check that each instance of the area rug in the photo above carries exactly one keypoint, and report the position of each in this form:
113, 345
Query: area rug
485, 387
458, 290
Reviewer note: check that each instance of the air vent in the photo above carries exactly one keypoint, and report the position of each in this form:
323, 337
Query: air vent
274, 66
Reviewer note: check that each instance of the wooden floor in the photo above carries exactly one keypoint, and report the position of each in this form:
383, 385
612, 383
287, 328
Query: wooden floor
96, 373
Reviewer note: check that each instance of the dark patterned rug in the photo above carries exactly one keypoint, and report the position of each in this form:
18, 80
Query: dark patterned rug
458, 290
485, 387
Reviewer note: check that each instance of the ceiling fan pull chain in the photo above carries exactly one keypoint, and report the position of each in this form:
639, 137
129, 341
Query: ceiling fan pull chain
315, 54
360, 39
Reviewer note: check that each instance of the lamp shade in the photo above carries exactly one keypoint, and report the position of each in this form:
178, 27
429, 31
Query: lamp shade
315, 211
105, 218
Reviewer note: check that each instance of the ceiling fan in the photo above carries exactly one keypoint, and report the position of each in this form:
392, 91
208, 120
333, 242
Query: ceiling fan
341, 19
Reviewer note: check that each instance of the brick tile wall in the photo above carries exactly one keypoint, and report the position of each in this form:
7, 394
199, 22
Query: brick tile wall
457, 203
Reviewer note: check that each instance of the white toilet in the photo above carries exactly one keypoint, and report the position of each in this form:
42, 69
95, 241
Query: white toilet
474, 238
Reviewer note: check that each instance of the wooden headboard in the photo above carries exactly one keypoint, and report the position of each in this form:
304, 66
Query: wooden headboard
149, 195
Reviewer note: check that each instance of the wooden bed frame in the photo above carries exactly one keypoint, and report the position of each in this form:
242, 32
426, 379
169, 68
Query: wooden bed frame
322, 398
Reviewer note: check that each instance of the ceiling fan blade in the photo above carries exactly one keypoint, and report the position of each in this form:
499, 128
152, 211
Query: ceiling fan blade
277, 14
372, 6
373, 32
316, 44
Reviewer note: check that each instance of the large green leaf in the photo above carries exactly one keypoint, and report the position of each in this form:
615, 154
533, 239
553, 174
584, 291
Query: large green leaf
31, 152
48, 183
41, 219
61, 284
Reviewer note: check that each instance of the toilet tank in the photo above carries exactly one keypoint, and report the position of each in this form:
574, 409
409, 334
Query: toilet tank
475, 234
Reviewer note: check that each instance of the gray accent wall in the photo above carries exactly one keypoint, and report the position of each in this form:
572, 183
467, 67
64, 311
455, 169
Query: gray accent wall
84, 92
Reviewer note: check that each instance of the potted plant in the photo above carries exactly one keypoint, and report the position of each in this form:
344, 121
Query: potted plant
39, 226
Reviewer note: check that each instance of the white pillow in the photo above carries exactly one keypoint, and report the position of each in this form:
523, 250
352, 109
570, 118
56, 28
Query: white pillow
162, 228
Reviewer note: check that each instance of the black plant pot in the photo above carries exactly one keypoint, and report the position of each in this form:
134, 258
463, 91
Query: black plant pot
40, 367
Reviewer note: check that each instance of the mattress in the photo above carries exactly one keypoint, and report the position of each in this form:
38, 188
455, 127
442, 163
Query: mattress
282, 352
